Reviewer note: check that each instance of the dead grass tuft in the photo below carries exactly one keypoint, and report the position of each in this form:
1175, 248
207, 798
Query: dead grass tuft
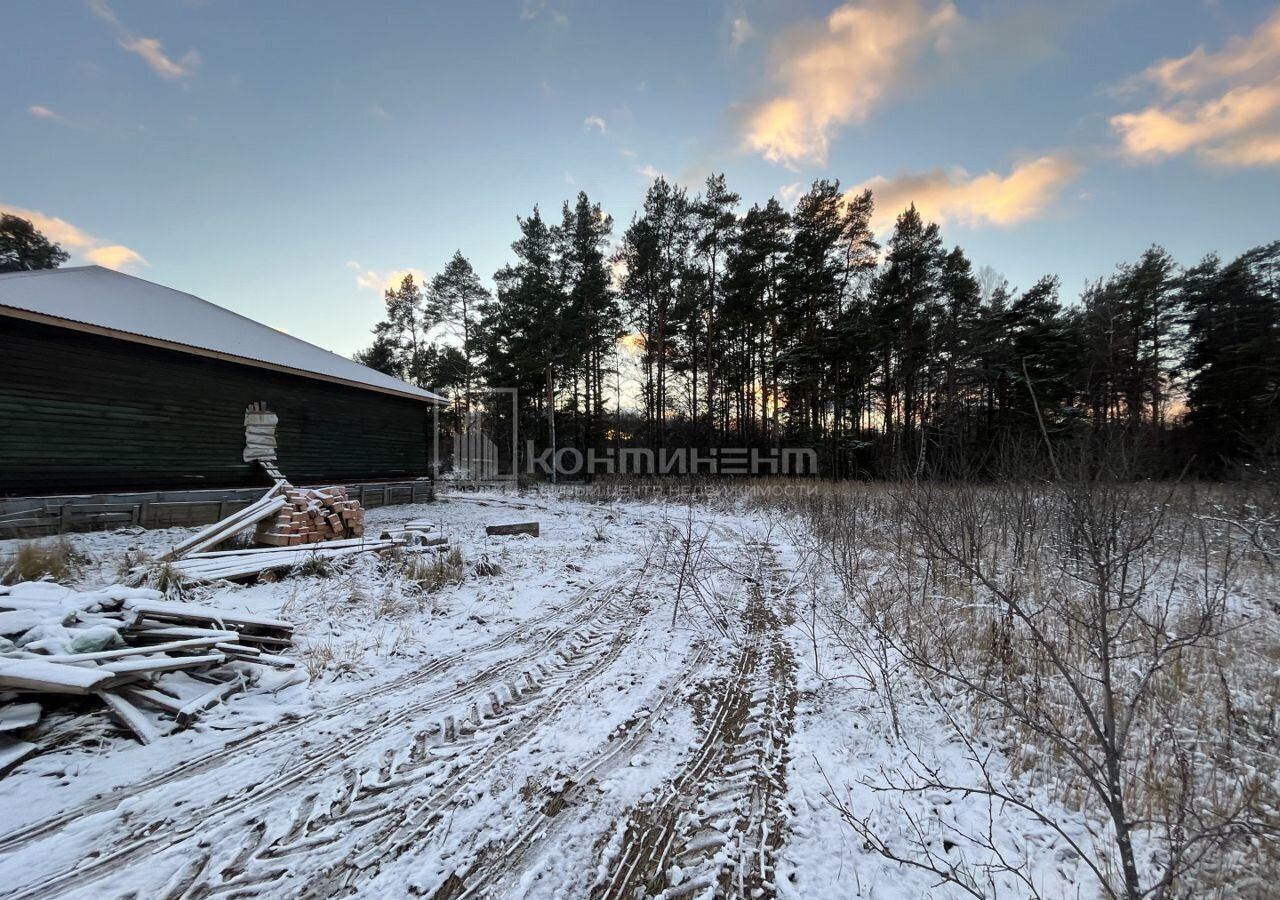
433, 572
56, 559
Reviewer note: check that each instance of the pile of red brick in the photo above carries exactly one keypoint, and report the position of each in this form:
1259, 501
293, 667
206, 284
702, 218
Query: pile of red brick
310, 516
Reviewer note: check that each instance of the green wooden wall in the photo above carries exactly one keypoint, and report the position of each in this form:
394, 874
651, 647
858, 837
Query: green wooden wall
81, 413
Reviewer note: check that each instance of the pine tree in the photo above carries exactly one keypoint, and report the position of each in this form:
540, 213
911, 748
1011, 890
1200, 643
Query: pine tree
752, 306
592, 321
907, 305
455, 303
714, 223
520, 333
1232, 314
654, 256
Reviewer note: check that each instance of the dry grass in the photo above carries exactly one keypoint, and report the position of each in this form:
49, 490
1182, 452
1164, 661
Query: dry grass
56, 559
432, 572
328, 658
486, 568
992, 596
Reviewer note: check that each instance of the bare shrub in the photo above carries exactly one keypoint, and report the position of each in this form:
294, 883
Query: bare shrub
1099, 635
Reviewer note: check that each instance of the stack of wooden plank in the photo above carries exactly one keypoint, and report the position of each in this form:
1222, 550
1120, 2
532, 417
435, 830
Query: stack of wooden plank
289, 521
312, 515
146, 657
250, 561
271, 503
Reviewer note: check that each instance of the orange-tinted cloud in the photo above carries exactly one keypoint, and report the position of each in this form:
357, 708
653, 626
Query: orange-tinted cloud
77, 241
837, 74
43, 112
115, 256
371, 280
1224, 107
987, 199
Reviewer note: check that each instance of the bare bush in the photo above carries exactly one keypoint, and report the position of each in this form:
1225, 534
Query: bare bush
1098, 634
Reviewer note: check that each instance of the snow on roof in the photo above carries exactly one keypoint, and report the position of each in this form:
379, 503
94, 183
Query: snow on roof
134, 308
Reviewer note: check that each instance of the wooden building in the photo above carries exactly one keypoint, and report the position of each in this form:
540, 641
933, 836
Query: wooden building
113, 383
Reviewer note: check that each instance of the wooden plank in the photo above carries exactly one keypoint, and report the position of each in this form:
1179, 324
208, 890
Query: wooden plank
157, 699
190, 612
249, 552
220, 531
283, 558
19, 620
130, 717
29, 674
19, 715
149, 664
144, 631
13, 752
239, 649
193, 708
268, 659
529, 528
188, 644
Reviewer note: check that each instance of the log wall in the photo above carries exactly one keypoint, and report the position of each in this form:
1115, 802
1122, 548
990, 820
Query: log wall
81, 413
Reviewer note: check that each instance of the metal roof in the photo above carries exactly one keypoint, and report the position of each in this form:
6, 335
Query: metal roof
94, 299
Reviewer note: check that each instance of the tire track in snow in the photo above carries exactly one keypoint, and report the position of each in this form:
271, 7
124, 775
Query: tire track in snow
537, 826
174, 824
714, 829
384, 818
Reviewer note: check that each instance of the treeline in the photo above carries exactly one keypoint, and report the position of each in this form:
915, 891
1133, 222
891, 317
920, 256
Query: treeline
767, 328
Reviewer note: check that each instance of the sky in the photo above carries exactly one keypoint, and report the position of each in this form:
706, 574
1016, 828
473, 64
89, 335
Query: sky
287, 159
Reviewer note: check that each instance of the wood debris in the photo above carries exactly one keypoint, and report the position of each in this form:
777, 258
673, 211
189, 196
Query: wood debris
529, 528
155, 665
291, 525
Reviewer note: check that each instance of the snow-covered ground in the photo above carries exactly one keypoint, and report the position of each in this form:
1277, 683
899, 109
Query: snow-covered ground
634, 703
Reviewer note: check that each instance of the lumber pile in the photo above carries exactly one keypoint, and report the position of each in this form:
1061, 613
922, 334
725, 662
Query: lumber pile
154, 665
233, 524
251, 561
291, 525
311, 516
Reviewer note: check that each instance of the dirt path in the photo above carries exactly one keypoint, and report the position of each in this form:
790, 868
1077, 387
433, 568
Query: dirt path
715, 826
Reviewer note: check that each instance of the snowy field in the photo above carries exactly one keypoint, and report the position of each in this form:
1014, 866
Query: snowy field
653, 698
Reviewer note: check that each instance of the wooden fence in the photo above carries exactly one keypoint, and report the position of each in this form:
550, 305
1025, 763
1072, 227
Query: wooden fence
26, 517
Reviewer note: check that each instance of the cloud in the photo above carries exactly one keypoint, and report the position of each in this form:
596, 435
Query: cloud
987, 199
790, 193
740, 31
43, 112
77, 241
372, 280
1223, 107
617, 272
597, 123
115, 256
837, 74
537, 9
149, 49
651, 172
